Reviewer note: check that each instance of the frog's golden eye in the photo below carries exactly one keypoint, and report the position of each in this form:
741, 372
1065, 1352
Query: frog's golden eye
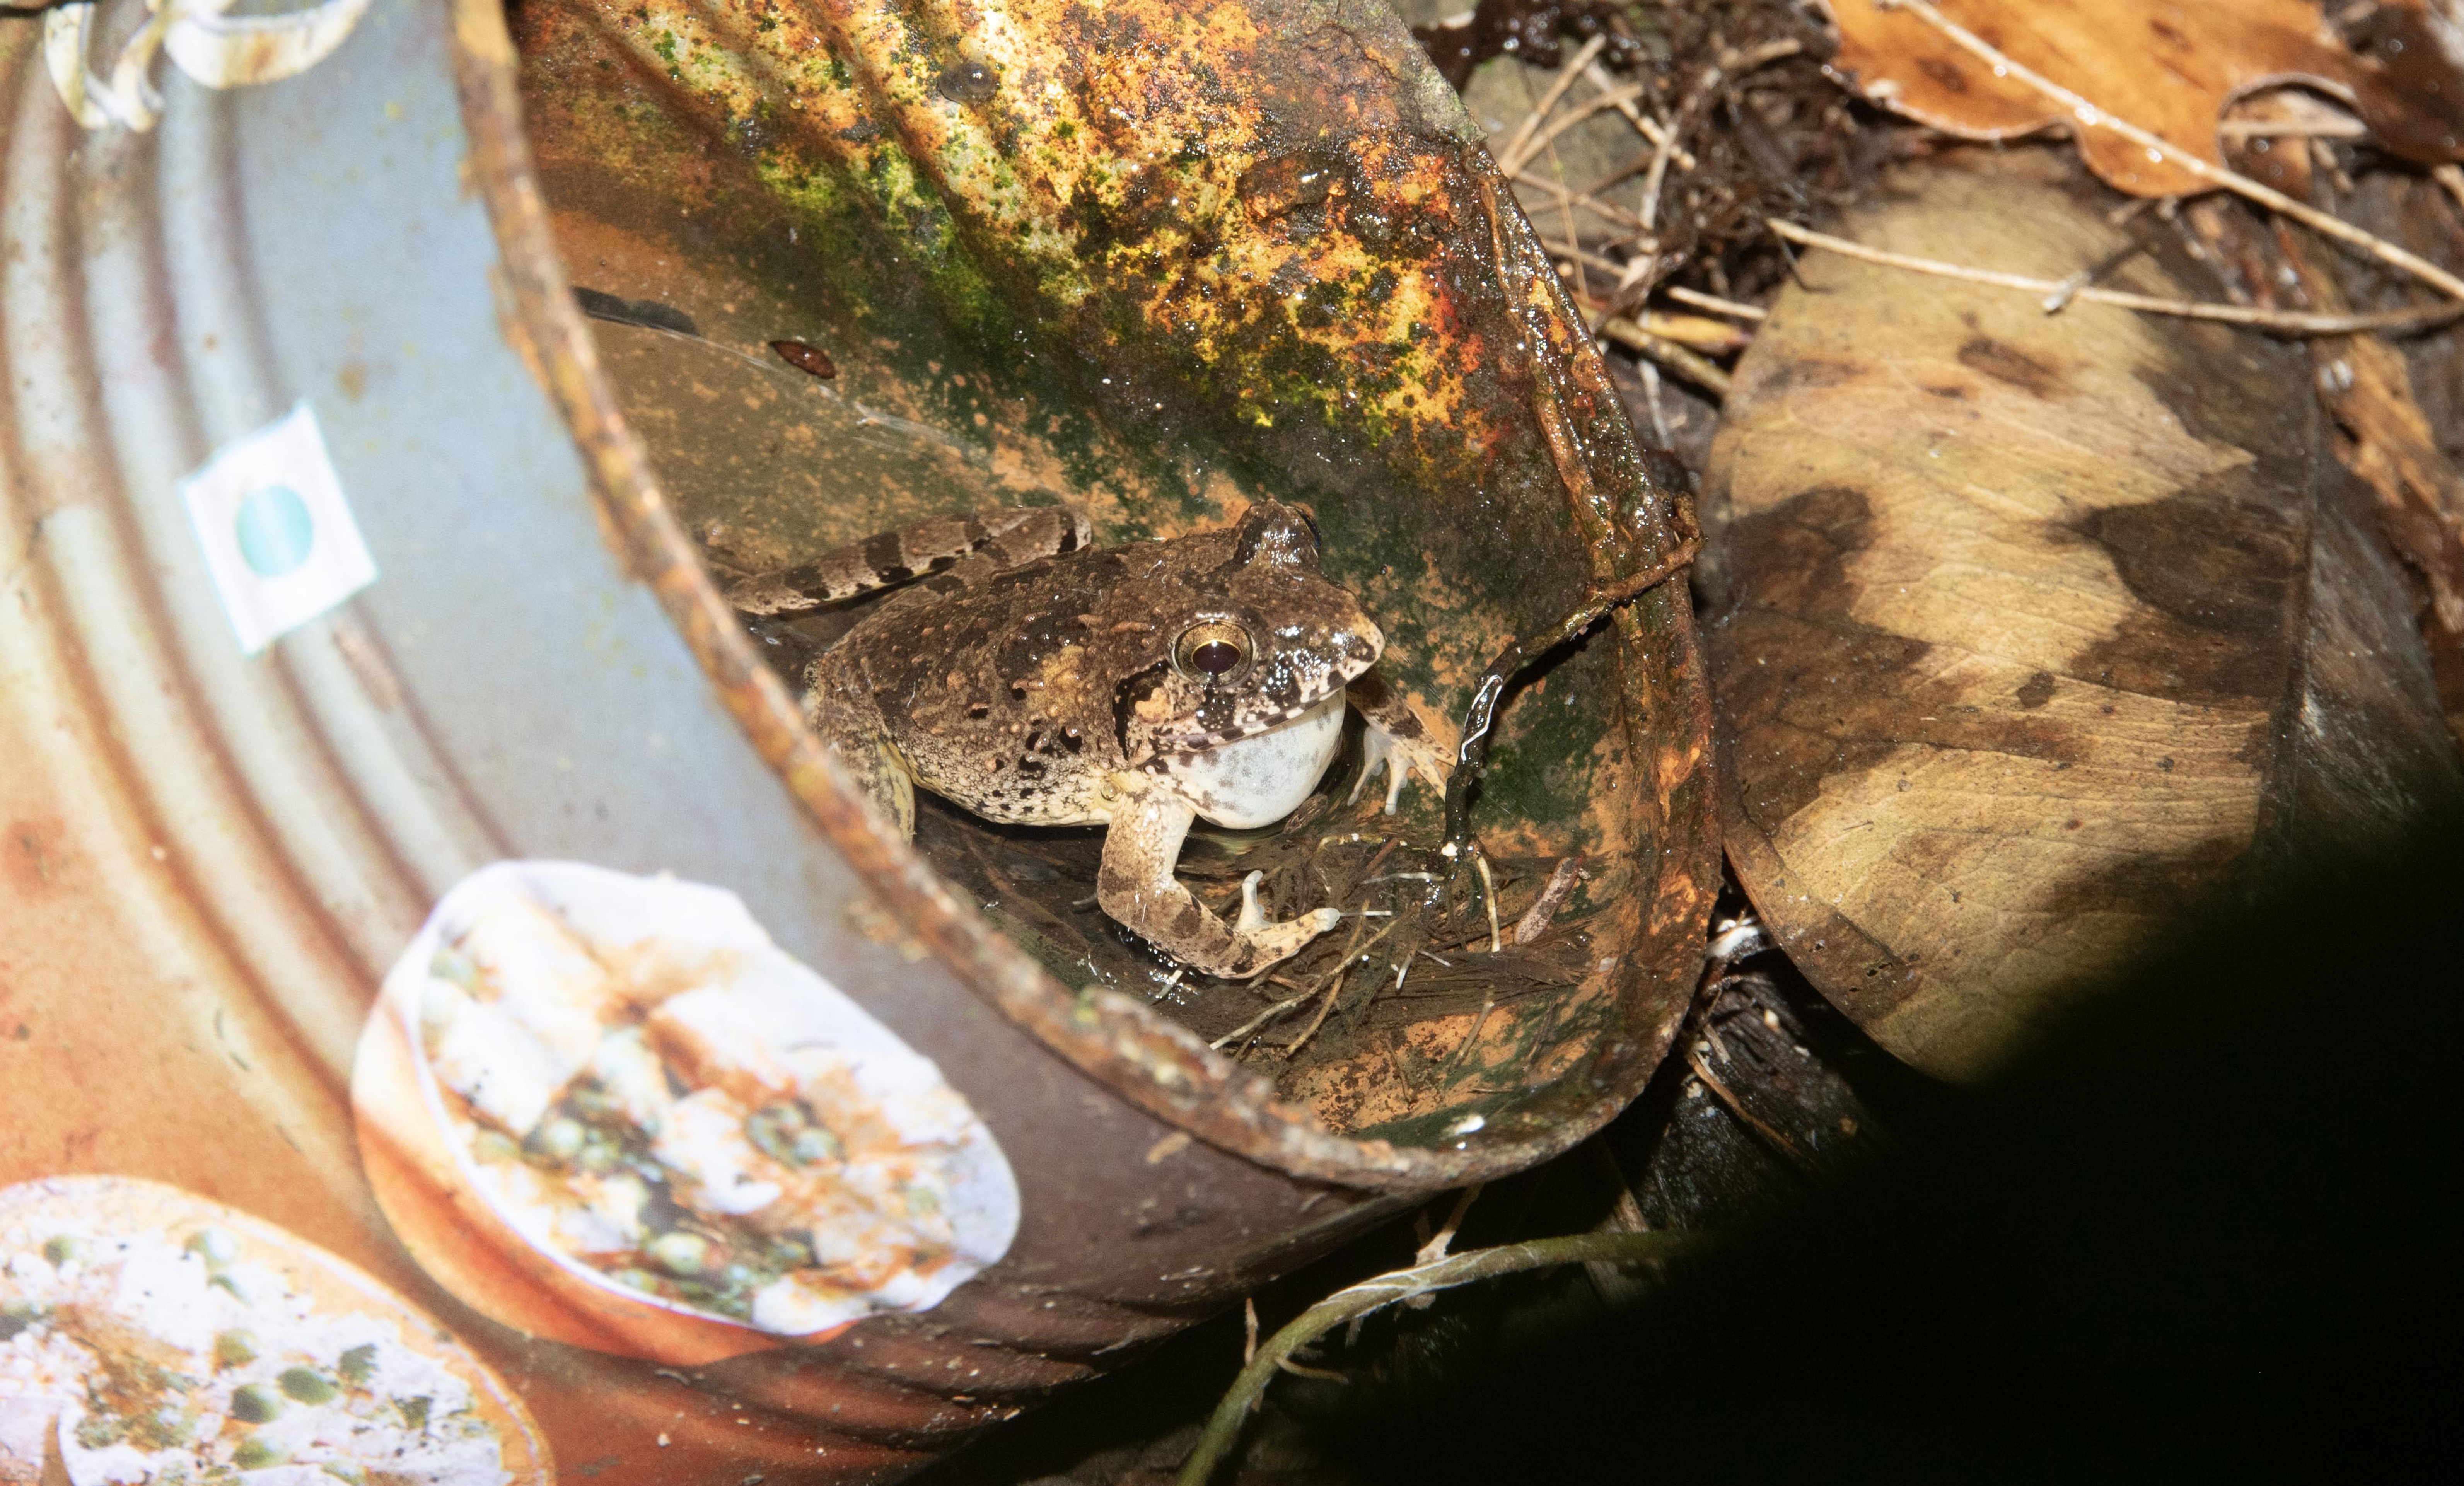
1212, 651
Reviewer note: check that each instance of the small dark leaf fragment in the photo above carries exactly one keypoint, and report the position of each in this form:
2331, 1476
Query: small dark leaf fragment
806, 358
649, 314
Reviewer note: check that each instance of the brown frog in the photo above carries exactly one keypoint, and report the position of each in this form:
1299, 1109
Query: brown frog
1033, 678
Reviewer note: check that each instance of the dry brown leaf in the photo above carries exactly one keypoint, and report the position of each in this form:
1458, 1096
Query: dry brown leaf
2384, 433
2388, 441
2168, 66
2032, 627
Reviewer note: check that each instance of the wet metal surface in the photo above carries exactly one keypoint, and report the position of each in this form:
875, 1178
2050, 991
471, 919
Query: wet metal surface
1177, 256
207, 860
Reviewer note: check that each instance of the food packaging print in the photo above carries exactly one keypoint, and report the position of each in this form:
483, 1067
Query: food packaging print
607, 1109
149, 1335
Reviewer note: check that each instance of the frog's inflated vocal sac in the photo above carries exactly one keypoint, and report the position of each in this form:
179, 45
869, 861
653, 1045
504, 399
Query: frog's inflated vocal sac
1035, 679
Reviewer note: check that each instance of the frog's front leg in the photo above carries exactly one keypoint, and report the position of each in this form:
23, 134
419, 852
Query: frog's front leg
1136, 885
1396, 741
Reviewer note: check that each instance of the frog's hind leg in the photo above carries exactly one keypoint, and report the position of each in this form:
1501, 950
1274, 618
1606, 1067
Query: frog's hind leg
1136, 885
1007, 536
860, 752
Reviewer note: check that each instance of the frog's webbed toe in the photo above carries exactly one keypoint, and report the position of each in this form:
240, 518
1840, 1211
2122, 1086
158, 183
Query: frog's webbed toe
1136, 885
1396, 741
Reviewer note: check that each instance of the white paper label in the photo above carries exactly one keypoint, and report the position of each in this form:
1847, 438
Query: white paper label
812, 1170
278, 535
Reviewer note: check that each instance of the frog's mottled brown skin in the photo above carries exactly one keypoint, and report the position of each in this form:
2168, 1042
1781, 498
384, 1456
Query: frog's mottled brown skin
1034, 679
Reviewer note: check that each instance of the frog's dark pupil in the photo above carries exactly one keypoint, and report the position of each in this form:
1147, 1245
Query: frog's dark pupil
1215, 657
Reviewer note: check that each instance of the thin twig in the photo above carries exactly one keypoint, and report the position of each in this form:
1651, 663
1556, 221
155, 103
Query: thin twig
1516, 149
1223, 1427
1536, 919
1332, 991
1648, 127
1258, 1021
1604, 210
1332, 983
1489, 898
1736, 64
2294, 323
1714, 303
1628, 296
1604, 264
1761, 1127
1651, 400
1463, 1049
2452, 177
1564, 209
2292, 129
1657, 176
2088, 115
1624, 1216
1697, 369
1568, 120
1444, 1239
1479, 718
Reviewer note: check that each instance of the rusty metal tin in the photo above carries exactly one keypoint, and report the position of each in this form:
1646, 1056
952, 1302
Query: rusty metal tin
208, 859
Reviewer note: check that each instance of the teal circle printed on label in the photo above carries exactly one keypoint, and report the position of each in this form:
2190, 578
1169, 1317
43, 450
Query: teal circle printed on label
274, 530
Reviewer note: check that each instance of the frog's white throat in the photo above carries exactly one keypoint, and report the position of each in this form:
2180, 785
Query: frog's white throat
1259, 779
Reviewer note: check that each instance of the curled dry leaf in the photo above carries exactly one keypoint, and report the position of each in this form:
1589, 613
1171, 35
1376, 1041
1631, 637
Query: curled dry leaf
2388, 440
2167, 67
2031, 627
2379, 395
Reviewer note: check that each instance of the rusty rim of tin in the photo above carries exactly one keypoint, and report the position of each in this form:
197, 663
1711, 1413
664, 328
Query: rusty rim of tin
1154, 1063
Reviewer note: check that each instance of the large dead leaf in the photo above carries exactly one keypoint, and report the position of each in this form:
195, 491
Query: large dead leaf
2168, 66
2031, 627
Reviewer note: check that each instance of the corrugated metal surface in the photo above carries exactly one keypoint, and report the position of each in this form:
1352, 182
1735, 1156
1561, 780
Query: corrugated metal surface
207, 859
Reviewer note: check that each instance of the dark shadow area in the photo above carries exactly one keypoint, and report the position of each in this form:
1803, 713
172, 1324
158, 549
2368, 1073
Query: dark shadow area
2210, 1232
